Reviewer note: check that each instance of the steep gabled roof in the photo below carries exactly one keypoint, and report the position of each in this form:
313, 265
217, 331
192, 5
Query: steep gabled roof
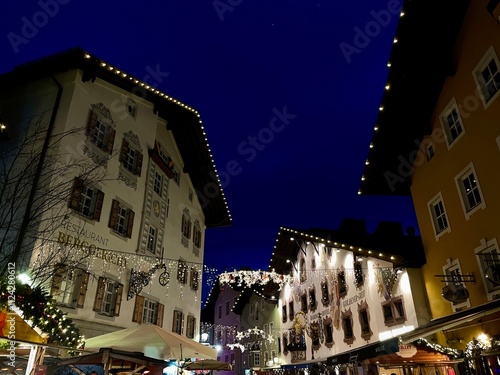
183, 120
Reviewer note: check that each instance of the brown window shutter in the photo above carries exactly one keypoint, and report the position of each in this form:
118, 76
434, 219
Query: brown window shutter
101, 284
138, 166
130, 223
118, 302
98, 205
182, 224
110, 140
113, 215
124, 151
57, 277
138, 309
75, 193
91, 124
159, 317
189, 229
83, 289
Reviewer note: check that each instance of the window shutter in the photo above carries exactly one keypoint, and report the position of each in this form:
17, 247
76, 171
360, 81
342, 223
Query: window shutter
75, 193
113, 216
82, 291
118, 302
110, 140
182, 224
138, 166
138, 309
189, 229
124, 151
159, 317
59, 272
98, 205
91, 124
130, 223
101, 284
174, 321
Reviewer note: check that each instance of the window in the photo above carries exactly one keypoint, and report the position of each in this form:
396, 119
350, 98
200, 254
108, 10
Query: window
266, 358
454, 278
158, 183
186, 224
108, 297
227, 307
487, 76
452, 123
393, 311
256, 359
148, 311
312, 298
265, 329
177, 175
178, 322
131, 108
152, 239
191, 326
325, 297
358, 272
291, 312
285, 342
256, 312
69, 287
488, 258
190, 195
197, 235
303, 270
284, 315
271, 328
130, 158
342, 283
121, 219
364, 320
328, 329
193, 280
219, 312
181, 271
86, 200
347, 327
303, 302
232, 358
438, 216
100, 133
469, 190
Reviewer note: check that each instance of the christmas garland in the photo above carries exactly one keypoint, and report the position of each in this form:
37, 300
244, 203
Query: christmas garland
40, 309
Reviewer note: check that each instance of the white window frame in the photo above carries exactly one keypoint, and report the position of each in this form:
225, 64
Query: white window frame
178, 322
152, 238
109, 297
256, 359
430, 205
477, 74
459, 178
150, 311
428, 148
158, 183
492, 291
452, 105
454, 265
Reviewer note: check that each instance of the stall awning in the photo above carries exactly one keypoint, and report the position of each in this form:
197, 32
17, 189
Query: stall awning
368, 351
453, 320
304, 364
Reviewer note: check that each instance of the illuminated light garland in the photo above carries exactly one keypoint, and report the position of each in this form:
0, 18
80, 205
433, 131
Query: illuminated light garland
475, 347
39, 310
259, 277
452, 353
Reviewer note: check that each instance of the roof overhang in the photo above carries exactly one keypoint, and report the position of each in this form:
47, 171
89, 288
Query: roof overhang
419, 63
183, 120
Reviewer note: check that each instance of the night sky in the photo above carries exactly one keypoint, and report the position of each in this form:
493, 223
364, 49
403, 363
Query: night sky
288, 91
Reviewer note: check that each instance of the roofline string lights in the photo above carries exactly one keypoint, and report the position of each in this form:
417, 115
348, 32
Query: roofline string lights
387, 87
154, 90
259, 277
329, 243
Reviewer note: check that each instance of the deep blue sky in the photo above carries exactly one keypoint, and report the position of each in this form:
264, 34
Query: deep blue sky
238, 62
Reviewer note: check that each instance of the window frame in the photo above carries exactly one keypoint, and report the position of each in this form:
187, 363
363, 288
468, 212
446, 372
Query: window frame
450, 266
102, 291
445, 113
178, 322
158, 183
438, 198
190, 326
477, 72
152, 239
131, 158
95, 121
128, 219
487, 247
77, 195
77, 291
182, 270
459, 181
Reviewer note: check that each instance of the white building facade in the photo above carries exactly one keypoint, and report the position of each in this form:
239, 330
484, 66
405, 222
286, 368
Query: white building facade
122, 243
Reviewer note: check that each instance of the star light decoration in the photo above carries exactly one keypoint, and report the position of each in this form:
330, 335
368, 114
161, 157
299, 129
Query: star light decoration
246, 334
259, 277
